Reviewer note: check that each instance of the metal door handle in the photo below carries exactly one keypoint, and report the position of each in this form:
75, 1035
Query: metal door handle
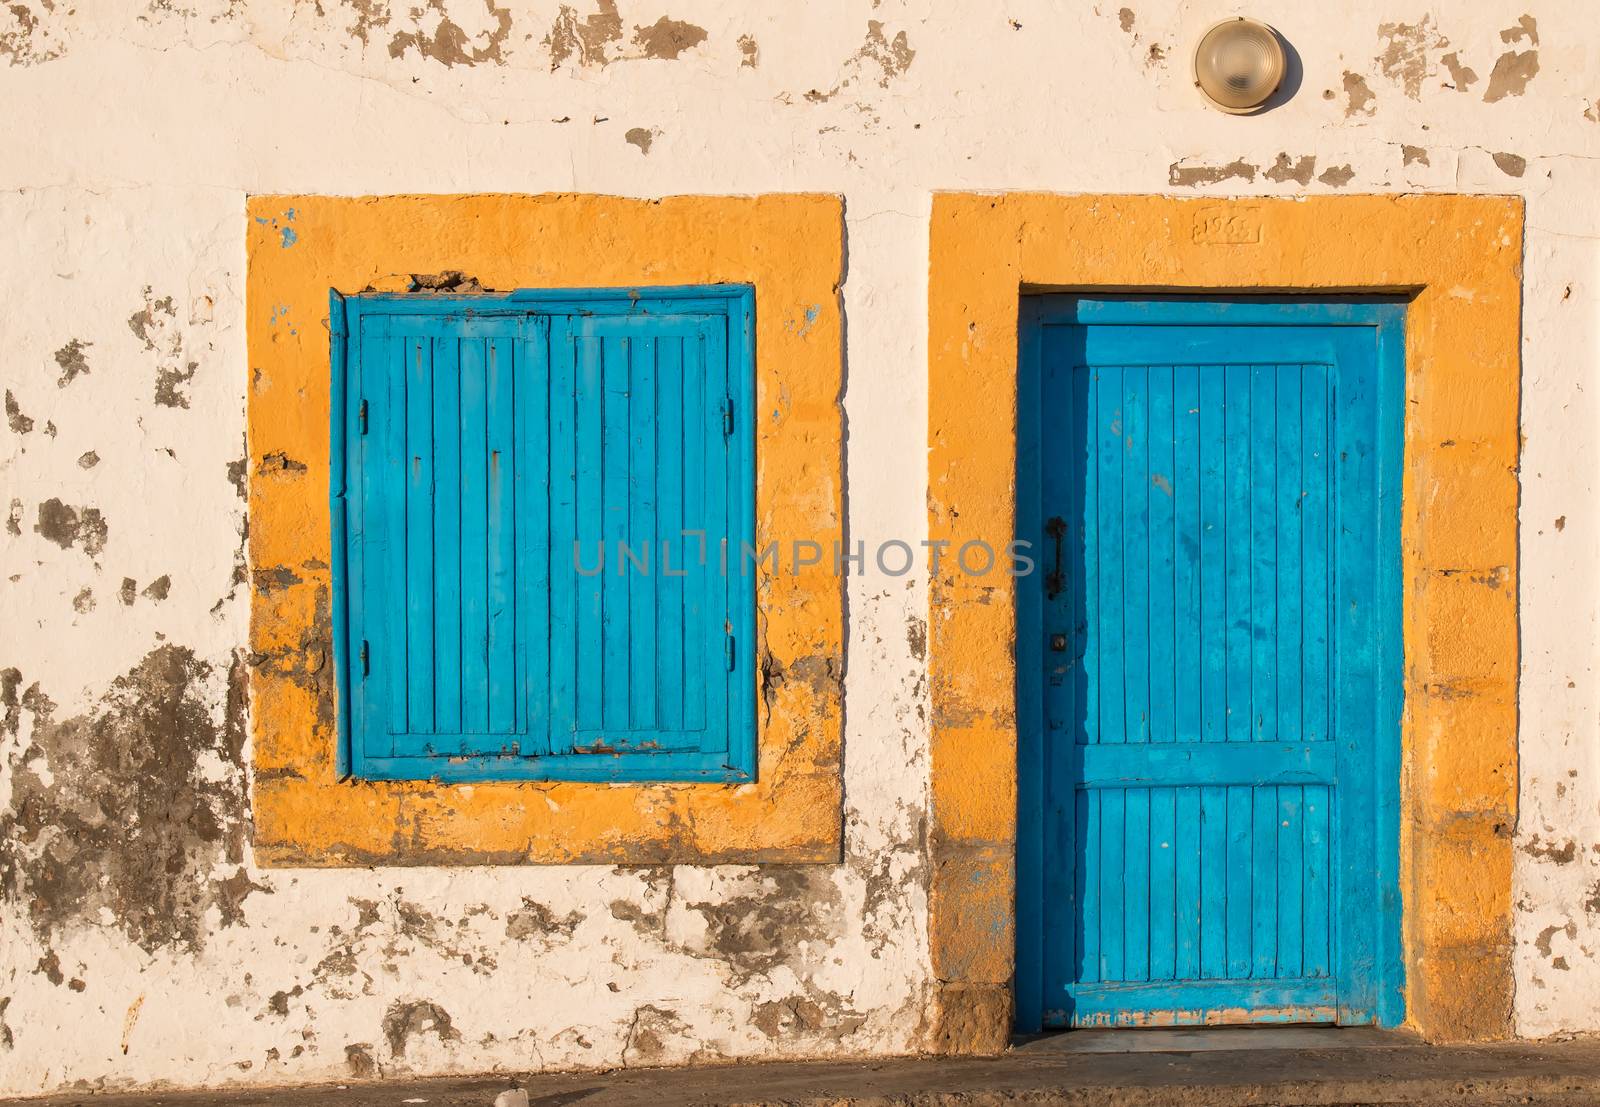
1055, 581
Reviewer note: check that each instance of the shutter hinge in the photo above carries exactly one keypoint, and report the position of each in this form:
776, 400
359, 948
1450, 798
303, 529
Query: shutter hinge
365, 667
362, 415
730, 652
727, 416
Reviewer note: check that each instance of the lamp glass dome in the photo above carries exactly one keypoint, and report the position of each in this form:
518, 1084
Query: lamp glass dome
1239, 65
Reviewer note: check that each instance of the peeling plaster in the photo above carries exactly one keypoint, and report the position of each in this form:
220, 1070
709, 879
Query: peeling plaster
115, 818
585, 39
1512, 165
72, 361
1192, 176
666, 39
880, 59
1337, 175
33, 32
69, 526
1511, 73
447, 42
1359, 99
1405, 59
1462, 77
1291, 169
641, 137
15, 419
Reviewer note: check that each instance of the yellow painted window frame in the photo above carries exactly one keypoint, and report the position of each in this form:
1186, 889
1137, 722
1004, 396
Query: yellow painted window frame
791, 249
1459, 258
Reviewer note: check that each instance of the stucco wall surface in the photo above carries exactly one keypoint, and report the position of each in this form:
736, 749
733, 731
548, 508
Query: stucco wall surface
140, 944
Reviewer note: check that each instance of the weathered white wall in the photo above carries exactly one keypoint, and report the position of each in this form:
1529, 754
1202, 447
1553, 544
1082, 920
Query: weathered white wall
137, 943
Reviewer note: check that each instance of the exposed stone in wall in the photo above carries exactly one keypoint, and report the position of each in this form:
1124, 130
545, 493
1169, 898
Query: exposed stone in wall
121, 816
72, 360
68, 526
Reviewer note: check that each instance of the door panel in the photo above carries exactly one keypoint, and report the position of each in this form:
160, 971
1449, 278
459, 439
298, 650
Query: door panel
1208, 666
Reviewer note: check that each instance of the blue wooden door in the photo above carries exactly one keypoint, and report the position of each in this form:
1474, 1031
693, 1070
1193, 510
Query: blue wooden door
1209, 662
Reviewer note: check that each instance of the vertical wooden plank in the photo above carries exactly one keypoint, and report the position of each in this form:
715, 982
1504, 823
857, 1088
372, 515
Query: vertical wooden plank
1187, 833
1111, 546
382, 479
474, 536
1187, 539
1113, 883
396, 469
1164, 905
677, 548
447, 535
1085, 582
345, 424
1213, 882
501, 536
419, 537
537, 581
1317, 902
1241, 819
1136, 553
1137, 899
1263, 552
564, 549
1213, 557
1091, 910
1236, 473
1388, 759
643, 468
1316, 594
1291, 874
1163, 627
615, 484
703, 559
1357, 635
590, 515
1264, 884
719, 619
1291, 507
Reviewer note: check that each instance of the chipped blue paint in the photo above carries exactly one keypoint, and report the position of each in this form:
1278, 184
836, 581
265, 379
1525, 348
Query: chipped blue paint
811, 315
1209, 670
289, 237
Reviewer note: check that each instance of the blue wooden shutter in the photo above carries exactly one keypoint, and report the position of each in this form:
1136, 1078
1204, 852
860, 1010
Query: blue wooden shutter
494, 456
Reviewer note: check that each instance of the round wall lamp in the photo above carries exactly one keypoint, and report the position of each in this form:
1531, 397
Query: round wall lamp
1238, 65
